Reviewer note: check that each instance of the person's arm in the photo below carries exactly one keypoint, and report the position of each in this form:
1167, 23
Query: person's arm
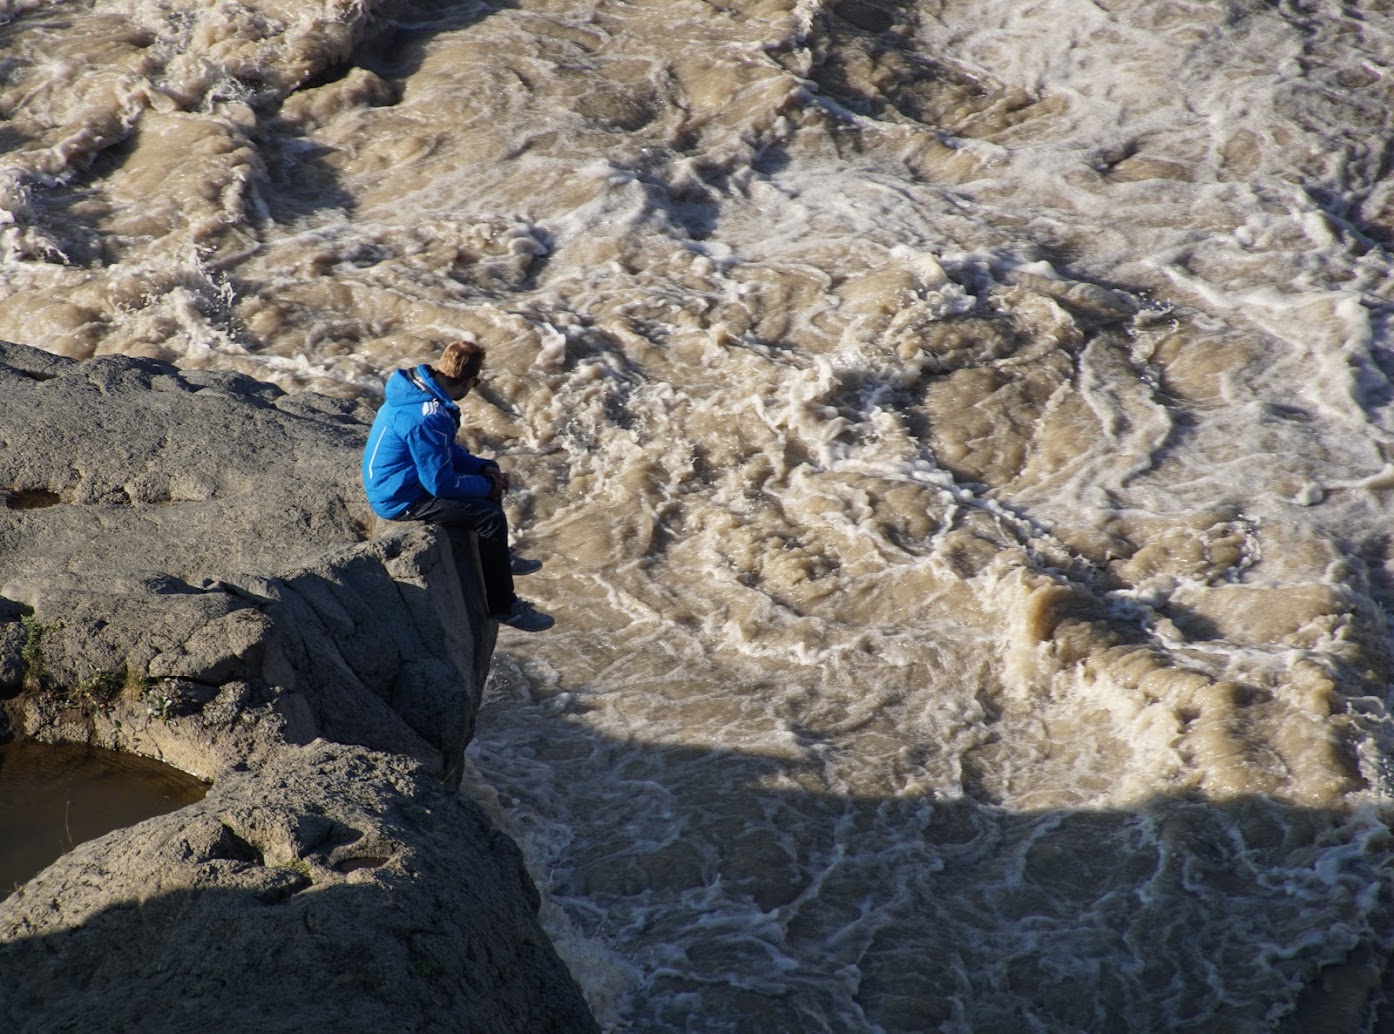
431, 443
468, 463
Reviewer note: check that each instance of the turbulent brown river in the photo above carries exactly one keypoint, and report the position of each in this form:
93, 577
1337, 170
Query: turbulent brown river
959, 436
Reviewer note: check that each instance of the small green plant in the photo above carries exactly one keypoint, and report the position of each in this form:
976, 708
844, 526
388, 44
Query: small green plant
135, 685
296, 865
159, 705
32, 653
96, 689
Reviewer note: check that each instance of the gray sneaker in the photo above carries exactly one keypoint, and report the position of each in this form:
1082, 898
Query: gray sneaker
525, 617
522, 565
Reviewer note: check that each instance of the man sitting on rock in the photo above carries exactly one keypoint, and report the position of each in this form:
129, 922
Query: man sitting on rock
414, 470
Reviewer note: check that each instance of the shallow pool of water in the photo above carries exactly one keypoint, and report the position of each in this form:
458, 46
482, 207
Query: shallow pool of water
53, 797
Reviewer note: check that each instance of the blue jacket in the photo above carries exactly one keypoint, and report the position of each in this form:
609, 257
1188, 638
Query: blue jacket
411, 448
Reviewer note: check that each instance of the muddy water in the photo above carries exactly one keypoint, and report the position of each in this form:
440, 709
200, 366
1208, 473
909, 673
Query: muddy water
53, 797
958, 435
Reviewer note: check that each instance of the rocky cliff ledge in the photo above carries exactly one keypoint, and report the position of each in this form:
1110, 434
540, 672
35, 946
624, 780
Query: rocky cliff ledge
187, 572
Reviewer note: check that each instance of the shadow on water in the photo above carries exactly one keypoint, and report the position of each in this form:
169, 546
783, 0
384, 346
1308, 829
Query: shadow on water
302, 177
756, 899
754, 906
397, 52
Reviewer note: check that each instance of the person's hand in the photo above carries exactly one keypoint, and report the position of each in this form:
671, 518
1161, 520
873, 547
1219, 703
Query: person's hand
498, 483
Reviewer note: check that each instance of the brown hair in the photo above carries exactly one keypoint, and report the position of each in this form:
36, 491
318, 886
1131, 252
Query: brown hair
461, 360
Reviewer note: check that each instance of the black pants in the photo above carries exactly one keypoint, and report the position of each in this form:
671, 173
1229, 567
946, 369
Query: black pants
487, 520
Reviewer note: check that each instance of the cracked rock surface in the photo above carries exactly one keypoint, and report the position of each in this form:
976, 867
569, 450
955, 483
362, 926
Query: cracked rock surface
188, 571
172, 537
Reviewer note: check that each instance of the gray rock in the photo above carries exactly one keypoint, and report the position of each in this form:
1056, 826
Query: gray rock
169, 527
333, 889
13, 636
188, 571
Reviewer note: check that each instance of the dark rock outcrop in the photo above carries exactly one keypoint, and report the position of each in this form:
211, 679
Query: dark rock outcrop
188, 571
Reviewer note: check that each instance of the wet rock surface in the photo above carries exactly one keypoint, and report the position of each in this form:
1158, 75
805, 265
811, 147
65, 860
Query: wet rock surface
187, 572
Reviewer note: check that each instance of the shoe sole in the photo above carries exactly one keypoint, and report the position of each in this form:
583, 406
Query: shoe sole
529, 628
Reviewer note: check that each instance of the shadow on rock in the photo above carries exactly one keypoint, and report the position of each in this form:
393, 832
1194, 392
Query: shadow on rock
336, 889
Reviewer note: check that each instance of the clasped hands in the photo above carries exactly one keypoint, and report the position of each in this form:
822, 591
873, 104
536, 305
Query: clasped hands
498, 482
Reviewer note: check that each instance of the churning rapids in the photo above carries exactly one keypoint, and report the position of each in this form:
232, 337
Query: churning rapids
960, 435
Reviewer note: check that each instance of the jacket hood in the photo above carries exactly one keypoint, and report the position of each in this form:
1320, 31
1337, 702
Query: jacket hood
412, 387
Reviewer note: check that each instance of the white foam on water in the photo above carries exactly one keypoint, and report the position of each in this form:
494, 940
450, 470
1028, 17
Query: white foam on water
958, 436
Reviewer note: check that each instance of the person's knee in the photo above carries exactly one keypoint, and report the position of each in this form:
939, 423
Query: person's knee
485, 518
494, 523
